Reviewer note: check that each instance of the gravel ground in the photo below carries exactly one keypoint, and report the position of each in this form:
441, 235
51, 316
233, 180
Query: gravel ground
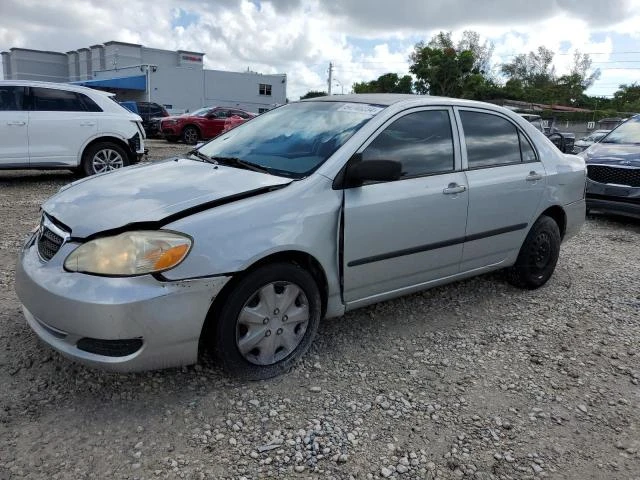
472, 380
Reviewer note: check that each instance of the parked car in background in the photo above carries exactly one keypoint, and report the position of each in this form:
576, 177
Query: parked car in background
151, 114
586, 142
613, 171
202, 124
307, 211
563, 140
54, 125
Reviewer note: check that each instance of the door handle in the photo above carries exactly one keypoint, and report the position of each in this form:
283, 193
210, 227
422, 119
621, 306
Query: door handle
87, 124
533, 176
454, 188
17, 122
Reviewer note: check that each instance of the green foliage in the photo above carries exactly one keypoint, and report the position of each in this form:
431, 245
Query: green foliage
387, 83
446, 69
463, 70
627, 98
313, 94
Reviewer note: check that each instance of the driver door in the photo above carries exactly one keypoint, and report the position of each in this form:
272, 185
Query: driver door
215, 122
408, 232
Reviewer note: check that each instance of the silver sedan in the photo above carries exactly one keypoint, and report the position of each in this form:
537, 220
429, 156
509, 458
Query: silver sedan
307, 211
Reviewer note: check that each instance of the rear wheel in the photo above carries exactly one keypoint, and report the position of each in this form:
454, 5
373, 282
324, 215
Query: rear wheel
190, 135
538, 255
104, 157
268, 321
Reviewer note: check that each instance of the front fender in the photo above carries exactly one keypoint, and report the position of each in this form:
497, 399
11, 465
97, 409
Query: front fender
303, 217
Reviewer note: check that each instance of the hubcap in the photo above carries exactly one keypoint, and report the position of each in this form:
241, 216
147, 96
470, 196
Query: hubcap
272, 323
106, 160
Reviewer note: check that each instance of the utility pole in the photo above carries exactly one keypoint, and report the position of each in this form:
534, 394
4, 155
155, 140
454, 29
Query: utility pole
330, 77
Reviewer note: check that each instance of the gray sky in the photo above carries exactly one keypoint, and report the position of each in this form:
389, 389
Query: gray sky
363, 39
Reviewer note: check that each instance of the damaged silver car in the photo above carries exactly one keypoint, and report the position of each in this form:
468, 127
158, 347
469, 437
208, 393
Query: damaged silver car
310, 210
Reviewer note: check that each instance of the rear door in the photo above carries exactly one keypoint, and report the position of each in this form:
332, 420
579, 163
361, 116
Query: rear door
404, 233
60, 123
14, 125
506, 181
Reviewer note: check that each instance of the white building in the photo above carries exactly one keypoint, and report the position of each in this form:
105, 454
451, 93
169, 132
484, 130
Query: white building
175, 79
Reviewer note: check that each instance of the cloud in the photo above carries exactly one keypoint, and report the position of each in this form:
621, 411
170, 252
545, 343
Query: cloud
301, 37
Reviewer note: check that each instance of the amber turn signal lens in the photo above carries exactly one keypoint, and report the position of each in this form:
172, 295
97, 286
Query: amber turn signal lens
170, 257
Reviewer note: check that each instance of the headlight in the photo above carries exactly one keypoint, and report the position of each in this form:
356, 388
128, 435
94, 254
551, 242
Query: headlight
169, 122
130, 253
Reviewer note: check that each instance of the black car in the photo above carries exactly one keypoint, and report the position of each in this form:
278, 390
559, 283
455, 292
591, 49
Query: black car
613, 171
151, 114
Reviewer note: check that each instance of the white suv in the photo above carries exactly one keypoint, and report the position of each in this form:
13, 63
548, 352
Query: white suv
51, 125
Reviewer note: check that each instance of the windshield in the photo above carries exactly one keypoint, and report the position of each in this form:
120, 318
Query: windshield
628, 132
295, 139
201, 112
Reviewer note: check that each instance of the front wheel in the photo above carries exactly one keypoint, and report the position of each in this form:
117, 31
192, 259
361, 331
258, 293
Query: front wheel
268, 321
190, 135
538, 255
103, 157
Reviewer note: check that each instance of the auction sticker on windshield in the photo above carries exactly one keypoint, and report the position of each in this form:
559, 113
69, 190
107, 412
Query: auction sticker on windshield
360, 108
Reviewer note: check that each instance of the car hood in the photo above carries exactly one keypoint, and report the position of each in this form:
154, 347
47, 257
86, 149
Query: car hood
613, 154
152, 194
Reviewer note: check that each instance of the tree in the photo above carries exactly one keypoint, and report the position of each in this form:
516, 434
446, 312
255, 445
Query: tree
313, 94
627, 98
387, 83
444, 68
532, 77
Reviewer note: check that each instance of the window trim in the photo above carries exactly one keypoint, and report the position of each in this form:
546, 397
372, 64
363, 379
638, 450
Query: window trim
463, 143
455, 134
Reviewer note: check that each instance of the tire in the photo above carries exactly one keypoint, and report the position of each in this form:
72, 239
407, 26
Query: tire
103, 157
247, 331
538, 255
190, 135
171, 139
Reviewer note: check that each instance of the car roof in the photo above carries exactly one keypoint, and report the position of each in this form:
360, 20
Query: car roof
387, 99
58, 86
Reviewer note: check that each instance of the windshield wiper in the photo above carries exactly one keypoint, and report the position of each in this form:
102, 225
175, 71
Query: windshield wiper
197, 153
237, 162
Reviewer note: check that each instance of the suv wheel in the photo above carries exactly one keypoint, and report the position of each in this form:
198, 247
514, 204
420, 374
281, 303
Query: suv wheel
104, 157
190, 135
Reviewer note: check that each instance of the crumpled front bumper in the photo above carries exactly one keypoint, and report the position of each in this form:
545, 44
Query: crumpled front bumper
164, 319
614, 199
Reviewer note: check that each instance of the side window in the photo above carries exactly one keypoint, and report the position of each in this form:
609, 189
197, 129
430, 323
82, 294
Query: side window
143, 108
54, 100
422, 142
88, 104
491, 140
528, 153
155, 110
11, 98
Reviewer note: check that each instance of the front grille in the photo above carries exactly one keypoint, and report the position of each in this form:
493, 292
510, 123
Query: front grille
48, 243
110, 348
618, 176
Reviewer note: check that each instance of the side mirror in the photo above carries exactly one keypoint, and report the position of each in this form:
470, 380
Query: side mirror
360, 171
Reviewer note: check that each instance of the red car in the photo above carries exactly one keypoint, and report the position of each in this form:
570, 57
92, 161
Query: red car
202, 124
